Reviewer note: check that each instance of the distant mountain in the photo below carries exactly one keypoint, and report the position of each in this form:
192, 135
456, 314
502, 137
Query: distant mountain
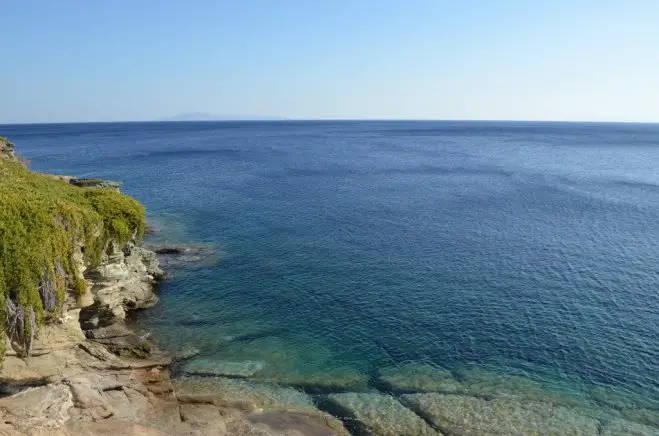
202, 116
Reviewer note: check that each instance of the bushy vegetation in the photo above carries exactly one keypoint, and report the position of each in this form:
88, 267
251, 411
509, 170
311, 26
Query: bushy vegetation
42, 221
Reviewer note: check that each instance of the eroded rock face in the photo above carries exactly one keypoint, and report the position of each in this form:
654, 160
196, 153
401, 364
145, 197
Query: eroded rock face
378, 414
104, 378
465, 415
123, 282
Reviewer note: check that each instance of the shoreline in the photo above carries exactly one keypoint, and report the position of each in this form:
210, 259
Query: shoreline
81, 369
92, 372
109, 378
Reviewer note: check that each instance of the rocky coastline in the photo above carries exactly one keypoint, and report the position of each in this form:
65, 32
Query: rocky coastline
89, 373
86, 372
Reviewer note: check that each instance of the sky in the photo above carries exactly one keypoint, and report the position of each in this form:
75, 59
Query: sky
580, 60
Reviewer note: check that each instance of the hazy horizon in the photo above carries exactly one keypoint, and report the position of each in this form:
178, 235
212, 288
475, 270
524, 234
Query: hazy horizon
266, 119
422, 60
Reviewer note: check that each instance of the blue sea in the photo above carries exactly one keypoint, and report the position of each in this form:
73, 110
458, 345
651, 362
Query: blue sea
336, 250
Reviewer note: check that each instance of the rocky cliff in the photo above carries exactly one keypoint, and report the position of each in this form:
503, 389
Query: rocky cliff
71, 268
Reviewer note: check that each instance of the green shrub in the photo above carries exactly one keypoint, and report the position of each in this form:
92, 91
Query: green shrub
42, 220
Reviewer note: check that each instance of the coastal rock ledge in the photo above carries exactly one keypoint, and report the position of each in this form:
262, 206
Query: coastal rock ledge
71, 365
89, 374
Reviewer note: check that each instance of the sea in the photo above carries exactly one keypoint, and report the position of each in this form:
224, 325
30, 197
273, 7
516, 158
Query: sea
519, 258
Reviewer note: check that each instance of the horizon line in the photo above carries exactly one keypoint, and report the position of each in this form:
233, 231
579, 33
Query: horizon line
285, 120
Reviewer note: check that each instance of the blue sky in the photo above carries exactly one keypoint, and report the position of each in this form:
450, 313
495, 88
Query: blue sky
116, 60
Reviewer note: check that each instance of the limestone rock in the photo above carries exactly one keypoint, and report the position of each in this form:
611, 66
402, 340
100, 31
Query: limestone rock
199, 414
120, 340
35, 408
113, 427
53, 350
241, 394
103, 358
298, 423
464, 415
37, 368
123, 282
378, 414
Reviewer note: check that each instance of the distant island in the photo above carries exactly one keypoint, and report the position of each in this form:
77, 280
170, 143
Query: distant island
203, 116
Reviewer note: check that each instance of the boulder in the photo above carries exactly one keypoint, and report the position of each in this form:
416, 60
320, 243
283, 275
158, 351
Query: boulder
378, 414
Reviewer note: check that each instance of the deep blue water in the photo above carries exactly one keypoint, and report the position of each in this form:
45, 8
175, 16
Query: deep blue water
524, 248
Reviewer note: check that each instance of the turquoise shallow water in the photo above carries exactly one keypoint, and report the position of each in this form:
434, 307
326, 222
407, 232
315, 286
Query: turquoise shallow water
341, 249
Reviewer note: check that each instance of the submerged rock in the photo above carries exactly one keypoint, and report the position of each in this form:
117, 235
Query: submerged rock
178, 255
622, 427
623, 399
645, 416
465, 415
486, 384
483, 383
276, 410
150, 230
174, 249
242, 394
419, 378
336, 380
378, 414
298, 423
185, 353
223, 368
